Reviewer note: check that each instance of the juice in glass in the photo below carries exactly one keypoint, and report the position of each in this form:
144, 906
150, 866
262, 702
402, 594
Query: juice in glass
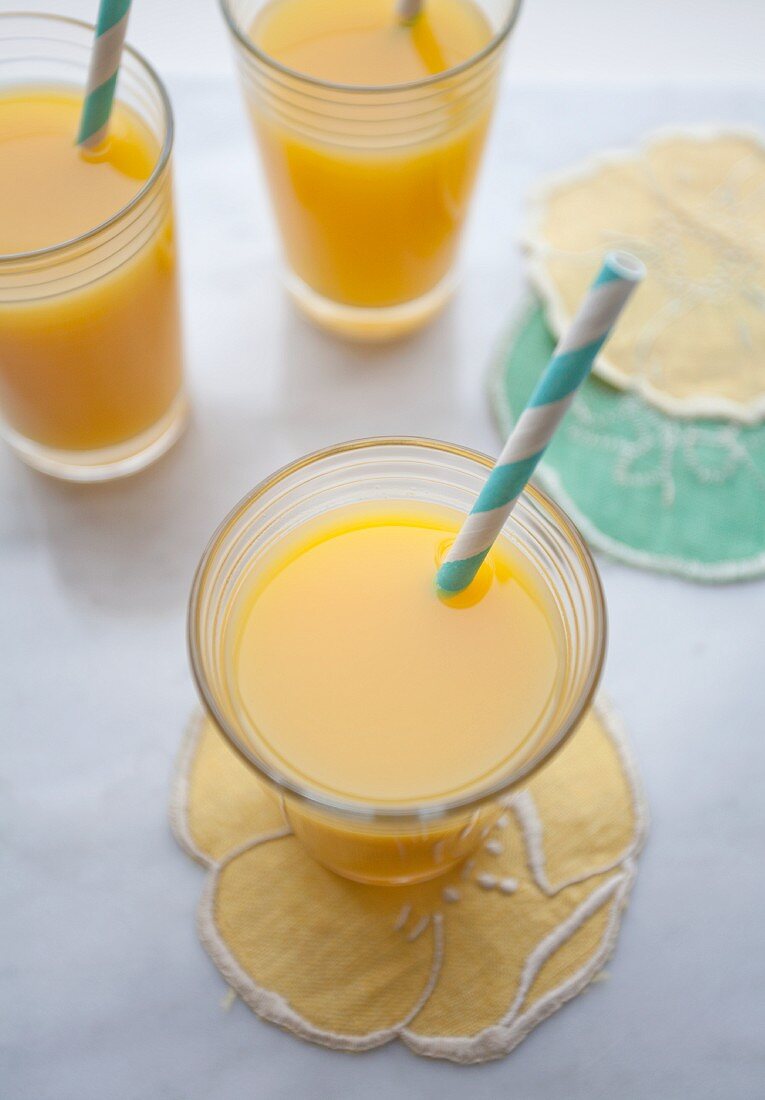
371, 134
90, 345
387, 718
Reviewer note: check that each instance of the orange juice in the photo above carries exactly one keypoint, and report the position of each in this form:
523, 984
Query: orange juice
351, 676
371, 188
390, 723
90, 350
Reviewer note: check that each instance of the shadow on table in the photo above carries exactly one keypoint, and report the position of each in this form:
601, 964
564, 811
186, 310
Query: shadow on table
130, 547
337, 389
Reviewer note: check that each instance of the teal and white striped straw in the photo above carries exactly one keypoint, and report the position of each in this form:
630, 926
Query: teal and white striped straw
104, 67
408, 10
554, 392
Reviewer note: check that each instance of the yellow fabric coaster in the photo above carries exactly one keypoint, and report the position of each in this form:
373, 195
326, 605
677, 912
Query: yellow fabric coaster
691, 204
462, 967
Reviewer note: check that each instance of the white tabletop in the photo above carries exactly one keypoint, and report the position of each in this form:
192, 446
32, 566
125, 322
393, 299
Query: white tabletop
106, 991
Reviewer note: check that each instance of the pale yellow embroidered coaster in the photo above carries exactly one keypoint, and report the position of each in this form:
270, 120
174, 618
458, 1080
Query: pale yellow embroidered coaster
462, 967
691, 204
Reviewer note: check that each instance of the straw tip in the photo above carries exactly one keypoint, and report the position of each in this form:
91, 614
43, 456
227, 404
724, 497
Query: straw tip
409, 12
625, 265
450, 580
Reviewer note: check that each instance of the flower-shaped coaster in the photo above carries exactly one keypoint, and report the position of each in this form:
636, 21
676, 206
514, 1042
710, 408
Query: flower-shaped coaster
462, 967
691, 204
683, 496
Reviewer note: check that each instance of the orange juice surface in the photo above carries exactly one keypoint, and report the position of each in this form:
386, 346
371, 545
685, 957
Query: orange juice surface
89, 336
370, 218
351, 676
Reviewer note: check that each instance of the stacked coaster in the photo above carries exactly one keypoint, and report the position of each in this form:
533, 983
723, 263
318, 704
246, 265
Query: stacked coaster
661, 460
462, 967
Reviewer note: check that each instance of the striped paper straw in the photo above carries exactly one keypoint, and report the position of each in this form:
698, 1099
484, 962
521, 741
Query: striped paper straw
104, 67
554, 392
408, 10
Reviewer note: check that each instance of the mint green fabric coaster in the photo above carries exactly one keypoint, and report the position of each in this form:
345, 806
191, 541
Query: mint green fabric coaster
681, 496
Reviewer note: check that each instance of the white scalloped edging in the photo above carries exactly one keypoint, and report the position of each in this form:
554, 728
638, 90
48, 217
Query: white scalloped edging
751, 412
494, 1041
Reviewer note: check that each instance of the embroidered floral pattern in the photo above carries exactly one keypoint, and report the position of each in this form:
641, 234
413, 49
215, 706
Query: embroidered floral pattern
647, 450
462, 967
685, 496
691, 204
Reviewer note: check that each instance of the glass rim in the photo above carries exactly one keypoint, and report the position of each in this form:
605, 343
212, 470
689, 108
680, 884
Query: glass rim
357, 811
368, 89
157, 170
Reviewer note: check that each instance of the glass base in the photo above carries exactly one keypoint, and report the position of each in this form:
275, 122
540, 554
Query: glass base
367, 323
389, 879
106, 463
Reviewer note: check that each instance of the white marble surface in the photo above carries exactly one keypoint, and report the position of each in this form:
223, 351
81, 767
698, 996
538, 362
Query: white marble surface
105, 990
708, 41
